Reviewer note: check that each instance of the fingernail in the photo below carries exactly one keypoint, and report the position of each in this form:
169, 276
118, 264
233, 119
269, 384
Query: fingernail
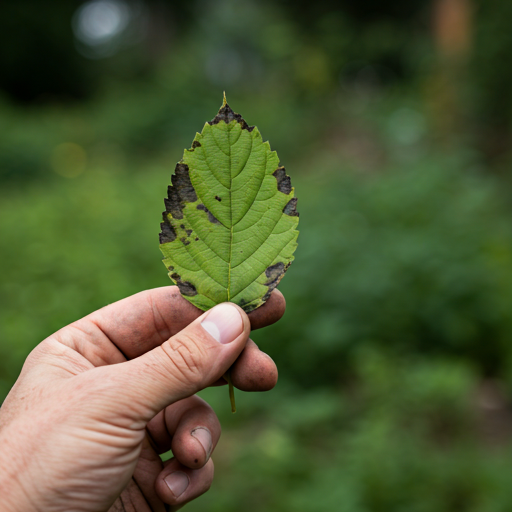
224, 323
177, 482
202, 434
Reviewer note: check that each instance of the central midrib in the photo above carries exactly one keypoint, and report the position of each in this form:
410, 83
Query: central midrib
230, 218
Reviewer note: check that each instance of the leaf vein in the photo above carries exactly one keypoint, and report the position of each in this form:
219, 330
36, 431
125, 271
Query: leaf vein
266, 239
256, 195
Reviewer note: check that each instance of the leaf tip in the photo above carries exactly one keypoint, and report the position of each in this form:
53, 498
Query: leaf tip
224, 101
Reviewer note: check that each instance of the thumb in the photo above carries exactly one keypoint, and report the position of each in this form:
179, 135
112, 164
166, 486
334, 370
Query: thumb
183, 365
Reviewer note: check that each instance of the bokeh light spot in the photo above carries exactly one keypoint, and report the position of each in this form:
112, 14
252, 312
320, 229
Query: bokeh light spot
98, 21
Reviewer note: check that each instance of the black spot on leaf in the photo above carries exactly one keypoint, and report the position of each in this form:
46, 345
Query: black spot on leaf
180, 191
181, 181
188, 231
172, 203
246, 305
182, 226
274, 274
227, 115
218, 198
196, 239
291, 208
196, 144
186, 287
167, 234
211, 217
284, 183
184, 240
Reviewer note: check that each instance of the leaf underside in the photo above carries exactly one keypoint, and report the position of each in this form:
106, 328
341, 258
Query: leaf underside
229, 228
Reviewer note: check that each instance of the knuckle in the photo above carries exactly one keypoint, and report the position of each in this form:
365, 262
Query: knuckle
187, 356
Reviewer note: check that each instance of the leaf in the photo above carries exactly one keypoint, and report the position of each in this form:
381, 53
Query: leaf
229, 229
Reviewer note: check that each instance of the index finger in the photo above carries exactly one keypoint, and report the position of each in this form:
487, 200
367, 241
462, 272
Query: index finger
145, 320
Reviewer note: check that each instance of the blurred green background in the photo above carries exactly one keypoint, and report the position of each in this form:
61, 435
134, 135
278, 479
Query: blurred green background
394, 120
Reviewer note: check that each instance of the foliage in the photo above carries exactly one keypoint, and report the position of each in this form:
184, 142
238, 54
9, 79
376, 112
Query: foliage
404, 436
397, 304
417, 260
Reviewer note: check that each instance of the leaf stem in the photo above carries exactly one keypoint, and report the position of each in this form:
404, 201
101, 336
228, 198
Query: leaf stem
227, 376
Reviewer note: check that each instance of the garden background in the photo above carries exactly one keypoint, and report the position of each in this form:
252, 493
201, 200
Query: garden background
394, 120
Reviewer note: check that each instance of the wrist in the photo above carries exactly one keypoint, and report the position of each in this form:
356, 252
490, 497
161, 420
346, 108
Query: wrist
14, 497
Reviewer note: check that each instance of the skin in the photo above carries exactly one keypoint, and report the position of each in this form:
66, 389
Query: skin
99, 400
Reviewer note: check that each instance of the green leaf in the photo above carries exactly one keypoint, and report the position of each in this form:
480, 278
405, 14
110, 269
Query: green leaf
229, 229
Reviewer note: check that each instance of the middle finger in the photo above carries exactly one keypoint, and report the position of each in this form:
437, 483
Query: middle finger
190, 428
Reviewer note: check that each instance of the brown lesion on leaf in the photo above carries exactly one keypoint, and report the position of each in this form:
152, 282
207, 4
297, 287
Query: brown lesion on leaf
291, 208
284, 183
196, 144
167, 234
227, 115
247, 306
184, 240
188, 231
211, 217
274, 274
186, 287
181, 191
244, 304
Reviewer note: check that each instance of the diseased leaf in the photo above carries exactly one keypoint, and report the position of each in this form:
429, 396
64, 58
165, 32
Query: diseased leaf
229, 227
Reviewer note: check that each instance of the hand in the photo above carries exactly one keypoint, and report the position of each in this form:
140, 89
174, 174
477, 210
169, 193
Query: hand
97, 402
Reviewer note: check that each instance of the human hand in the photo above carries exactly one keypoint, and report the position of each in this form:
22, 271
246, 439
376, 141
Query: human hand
97, 402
